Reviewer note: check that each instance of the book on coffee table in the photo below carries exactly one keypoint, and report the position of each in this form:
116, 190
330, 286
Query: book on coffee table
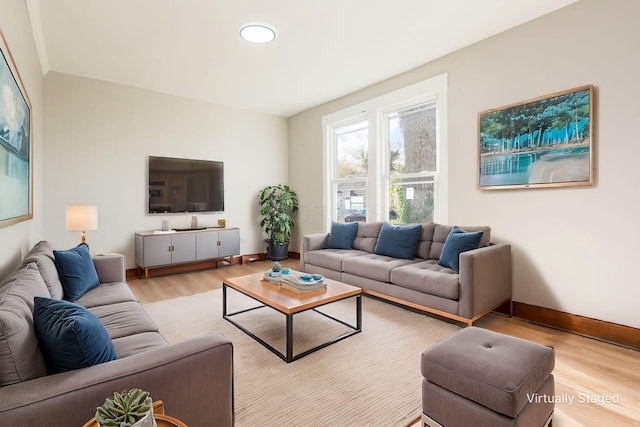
275, 277
295, 278
296, 281
294, 285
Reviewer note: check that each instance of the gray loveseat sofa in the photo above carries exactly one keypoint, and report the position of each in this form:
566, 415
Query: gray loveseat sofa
194, 379
482, 283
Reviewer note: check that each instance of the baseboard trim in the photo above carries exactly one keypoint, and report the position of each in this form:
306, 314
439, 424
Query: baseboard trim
615, 333
246, 259
263, 257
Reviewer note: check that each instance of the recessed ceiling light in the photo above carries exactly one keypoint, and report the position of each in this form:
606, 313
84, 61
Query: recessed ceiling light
257, 33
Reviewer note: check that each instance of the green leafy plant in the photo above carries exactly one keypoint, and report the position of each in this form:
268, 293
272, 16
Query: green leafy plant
277, 204
124, 409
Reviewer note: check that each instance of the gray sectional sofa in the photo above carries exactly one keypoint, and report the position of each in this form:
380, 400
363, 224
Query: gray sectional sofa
482, 283
194, 379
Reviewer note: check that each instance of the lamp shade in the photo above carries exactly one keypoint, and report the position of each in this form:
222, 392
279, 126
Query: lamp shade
81, 217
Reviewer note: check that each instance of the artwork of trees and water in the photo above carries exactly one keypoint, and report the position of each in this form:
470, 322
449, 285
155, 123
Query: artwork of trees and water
543, 142
15, 144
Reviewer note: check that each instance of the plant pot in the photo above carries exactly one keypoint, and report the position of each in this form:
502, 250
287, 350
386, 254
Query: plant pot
147, 421
277, 252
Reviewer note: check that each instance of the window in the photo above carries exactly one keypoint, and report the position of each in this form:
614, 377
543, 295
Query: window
410, 142
385, 159
351, 169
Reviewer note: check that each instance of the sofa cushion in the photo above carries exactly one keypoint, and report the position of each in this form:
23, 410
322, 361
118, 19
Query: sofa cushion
428, 277
70, 336
398, 241
77, 272
426, 238
331, 258
372, 266
440, 234
20, 357
107, 294
137, 343
42, 255
367, 236
457, 242
342, 235
125, 318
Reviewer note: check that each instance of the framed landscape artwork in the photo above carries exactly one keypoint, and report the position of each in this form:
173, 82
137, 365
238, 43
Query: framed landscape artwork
544, 142
16, 185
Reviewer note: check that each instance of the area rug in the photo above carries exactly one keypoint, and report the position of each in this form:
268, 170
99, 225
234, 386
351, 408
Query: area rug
369, 379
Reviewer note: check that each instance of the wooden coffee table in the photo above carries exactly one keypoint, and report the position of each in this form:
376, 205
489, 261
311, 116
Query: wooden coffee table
290, 303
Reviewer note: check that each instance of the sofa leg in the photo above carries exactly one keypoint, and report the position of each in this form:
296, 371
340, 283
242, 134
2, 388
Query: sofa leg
428, 422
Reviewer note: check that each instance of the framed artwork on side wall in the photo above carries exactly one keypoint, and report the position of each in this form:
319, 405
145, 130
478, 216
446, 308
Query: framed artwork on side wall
16, 164
543, 142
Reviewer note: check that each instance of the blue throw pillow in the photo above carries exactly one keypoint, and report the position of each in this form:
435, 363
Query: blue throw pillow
342, 235
398, 241
70, 336
458, 241
76, 270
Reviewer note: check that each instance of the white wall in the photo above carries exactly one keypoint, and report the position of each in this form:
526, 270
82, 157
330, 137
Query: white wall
17, 239
574, 249
98, 136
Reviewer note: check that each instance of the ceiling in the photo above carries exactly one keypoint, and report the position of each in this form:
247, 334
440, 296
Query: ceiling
323, 49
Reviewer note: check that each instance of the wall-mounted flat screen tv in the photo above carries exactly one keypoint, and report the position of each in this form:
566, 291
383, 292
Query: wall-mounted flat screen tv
185, 185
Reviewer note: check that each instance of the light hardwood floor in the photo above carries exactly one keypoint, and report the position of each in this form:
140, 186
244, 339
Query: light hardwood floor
587, 371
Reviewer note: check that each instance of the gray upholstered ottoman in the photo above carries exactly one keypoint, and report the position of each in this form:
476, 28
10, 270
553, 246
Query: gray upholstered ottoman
482, 378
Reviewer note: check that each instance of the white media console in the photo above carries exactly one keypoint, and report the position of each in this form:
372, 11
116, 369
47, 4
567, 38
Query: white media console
161, 249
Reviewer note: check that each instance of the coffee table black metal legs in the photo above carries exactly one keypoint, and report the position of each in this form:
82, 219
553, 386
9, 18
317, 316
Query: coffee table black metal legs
288, 356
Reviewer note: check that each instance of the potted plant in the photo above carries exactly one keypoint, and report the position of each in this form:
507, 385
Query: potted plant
126, 409
277, 204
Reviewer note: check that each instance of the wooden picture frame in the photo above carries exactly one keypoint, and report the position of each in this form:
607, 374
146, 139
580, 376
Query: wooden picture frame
543, 142
16, 154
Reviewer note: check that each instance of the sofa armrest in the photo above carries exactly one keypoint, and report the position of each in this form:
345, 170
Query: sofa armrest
110, 267
194, 379
312, 242
485, 279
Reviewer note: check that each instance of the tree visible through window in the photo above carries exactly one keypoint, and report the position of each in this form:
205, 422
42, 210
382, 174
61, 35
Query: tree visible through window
412, 152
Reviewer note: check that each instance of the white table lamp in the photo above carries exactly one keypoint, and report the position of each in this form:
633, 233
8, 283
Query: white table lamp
81, 218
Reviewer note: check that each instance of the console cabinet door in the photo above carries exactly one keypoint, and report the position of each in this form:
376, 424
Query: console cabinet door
184, 248
156, 250
206, 245
229, 243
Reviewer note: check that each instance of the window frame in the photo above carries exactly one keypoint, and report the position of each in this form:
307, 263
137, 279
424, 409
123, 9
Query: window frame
334, 180
374, 111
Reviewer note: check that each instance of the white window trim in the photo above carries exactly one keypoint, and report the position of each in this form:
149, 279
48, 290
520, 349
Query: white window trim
434, 88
